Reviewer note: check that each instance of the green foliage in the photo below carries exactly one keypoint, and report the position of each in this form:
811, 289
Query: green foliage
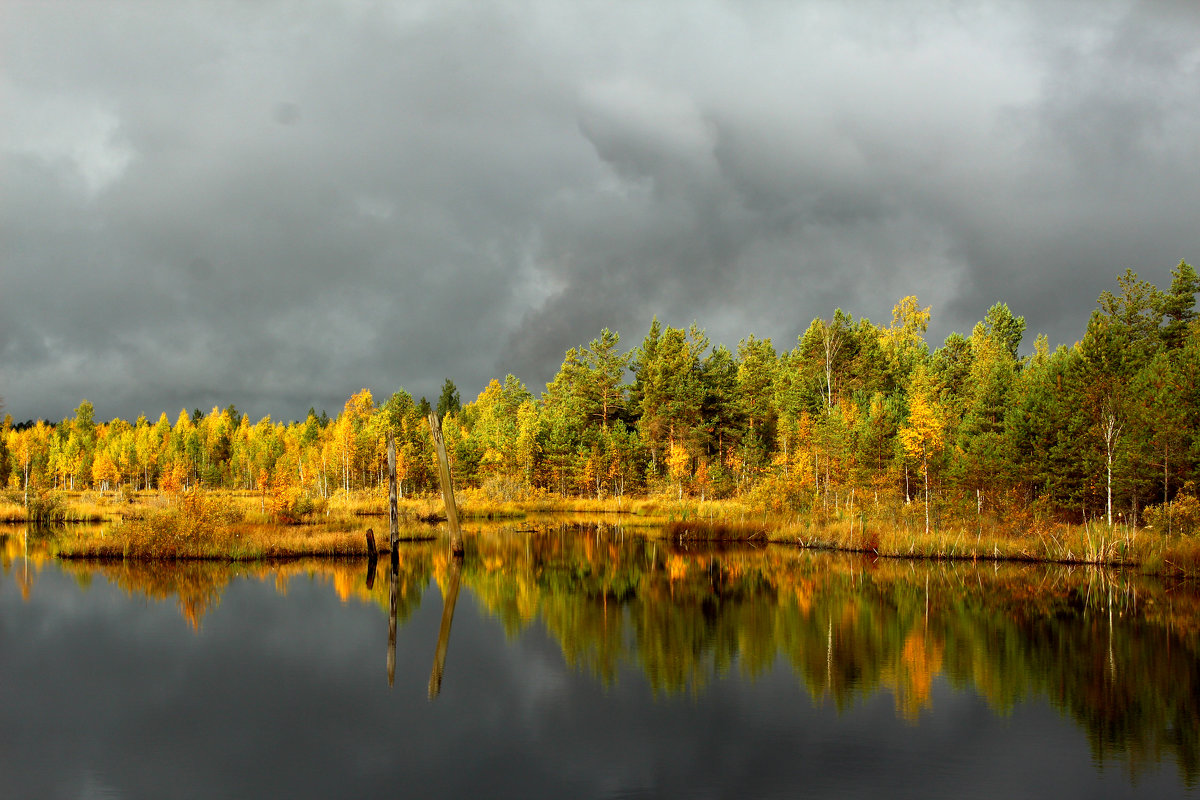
1006, 329
449, 401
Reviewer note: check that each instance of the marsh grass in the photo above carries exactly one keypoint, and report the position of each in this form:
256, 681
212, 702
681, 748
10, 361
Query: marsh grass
203, 525
242, 525
477, 504
256, 506
46, 507
243, 542
1093, 543
10, 511
718, 531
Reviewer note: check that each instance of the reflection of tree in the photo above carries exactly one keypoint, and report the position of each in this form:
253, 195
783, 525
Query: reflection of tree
1119, 654
920, 660
23, 559
449, 599
196, 585
851, 628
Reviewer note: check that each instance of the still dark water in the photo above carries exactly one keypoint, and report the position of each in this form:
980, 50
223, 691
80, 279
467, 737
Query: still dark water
586, 662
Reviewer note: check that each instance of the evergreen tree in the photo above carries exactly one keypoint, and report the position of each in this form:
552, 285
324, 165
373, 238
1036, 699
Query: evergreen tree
1000, 324
1178, 305
449, 401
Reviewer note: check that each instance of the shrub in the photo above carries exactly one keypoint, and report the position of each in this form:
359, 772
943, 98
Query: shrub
46, 506
291, 505
201, 524
1181, 515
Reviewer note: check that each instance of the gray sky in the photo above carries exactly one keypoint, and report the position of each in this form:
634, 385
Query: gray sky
274, 204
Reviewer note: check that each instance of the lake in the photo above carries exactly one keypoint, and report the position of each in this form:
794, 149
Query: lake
591, 661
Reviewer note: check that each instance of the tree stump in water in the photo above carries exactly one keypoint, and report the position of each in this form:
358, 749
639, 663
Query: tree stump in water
371, 552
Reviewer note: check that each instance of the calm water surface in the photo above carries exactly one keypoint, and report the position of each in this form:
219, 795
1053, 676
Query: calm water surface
586, 662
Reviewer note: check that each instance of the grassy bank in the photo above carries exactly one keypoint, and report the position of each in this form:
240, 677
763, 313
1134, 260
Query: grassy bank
92, 506
61, 506
476, 504
246, 526
247, 542
202, 525
1092, 543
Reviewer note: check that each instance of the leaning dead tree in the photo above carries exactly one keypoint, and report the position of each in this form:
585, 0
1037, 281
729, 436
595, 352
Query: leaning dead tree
456, 543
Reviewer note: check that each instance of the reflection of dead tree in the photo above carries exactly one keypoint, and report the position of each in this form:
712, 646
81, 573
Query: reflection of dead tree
456, 556
23, 578
372, 559
1107, 589
371, 565
443, 642
392, 604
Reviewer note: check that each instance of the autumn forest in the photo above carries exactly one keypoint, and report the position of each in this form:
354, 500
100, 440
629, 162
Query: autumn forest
854, 415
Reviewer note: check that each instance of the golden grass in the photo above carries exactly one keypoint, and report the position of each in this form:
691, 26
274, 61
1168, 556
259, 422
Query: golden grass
11, 512
1092, 543
239, 525
91, 506
201, 524
477, 504
720, 531
1179, 556
140, 539
80, 506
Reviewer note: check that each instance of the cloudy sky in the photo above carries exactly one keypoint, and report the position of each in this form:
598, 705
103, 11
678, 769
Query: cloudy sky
274, 204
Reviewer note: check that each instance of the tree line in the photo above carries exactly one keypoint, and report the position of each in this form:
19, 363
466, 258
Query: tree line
853, 415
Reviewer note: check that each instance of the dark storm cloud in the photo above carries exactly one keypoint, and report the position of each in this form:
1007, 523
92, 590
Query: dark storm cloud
275, 205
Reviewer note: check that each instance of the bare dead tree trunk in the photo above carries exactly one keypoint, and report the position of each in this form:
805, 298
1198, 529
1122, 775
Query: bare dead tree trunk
456, 543
393, 522
1111, 430
832, 341
925, 469
850, 511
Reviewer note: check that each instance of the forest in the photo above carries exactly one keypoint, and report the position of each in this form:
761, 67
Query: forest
854, 415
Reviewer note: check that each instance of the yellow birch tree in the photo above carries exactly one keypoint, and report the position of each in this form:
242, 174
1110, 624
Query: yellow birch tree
925, 432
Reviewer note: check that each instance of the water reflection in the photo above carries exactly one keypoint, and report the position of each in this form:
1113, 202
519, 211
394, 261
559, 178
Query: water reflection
449, 600
1115, 652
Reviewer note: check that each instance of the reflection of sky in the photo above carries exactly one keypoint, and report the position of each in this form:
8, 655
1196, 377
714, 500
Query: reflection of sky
106, 695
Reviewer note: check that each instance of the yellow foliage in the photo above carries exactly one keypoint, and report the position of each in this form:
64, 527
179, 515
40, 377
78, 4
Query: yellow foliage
849, 411
920, 662
678, 461
677, 567
1180, 516
104, 471
925, 432
703, 479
